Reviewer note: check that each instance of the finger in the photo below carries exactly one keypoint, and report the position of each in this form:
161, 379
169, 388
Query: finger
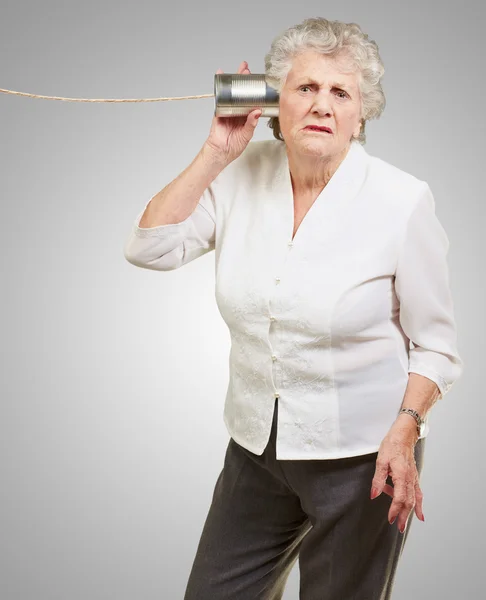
379, 478
388, 489
253, 117
418, 502
399, 497
408, 506
404, 516
242, 67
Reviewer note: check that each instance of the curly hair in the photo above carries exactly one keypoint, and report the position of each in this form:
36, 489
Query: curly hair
343, 41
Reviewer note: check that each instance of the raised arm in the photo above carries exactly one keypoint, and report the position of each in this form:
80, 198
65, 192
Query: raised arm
178, 200
178, 224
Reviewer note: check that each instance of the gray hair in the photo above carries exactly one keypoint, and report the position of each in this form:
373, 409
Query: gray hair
343, 41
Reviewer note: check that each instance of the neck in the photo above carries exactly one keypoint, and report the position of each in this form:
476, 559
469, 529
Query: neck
310, 173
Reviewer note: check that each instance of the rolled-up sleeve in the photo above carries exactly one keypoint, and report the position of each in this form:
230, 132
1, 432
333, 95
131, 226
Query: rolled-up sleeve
168, 247
426, 305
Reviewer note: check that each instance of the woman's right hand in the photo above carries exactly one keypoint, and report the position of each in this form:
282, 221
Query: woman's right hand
229, 136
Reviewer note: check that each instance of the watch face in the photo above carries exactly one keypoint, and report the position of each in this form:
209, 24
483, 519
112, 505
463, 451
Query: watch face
422, 429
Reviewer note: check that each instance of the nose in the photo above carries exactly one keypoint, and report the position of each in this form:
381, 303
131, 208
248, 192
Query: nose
322, 104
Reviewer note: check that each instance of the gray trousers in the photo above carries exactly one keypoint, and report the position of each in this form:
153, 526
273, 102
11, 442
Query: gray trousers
266, 513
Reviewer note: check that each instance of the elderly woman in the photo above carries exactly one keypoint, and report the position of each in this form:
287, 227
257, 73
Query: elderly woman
329, 262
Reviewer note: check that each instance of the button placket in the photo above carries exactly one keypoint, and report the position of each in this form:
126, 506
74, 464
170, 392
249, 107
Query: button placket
274, 357
290, 244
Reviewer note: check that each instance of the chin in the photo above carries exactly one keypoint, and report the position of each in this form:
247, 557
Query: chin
315, 146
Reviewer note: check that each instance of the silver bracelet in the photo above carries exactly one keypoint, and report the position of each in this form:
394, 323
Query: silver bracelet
415, 415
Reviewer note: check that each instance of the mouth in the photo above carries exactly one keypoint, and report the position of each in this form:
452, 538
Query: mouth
318, 129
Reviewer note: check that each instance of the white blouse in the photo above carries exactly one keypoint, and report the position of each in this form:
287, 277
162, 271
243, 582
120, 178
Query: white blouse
324, 321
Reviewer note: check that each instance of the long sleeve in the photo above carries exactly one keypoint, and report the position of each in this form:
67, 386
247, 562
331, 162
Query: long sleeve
426, 306
170, 246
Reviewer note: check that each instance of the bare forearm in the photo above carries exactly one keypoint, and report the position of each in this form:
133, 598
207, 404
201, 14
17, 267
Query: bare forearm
178, 200
421, 394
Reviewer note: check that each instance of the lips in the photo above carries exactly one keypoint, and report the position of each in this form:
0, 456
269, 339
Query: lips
318, 128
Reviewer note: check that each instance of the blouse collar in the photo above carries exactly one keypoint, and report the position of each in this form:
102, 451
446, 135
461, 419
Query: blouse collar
350, 171
325, 216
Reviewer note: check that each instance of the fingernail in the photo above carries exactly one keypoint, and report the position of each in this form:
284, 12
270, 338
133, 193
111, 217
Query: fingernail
393, 520
402, 529
374, 493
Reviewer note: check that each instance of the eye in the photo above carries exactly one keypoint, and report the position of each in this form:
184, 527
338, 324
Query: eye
342, 92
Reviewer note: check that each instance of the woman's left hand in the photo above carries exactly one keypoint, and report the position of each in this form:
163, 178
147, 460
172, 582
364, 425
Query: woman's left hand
396, 458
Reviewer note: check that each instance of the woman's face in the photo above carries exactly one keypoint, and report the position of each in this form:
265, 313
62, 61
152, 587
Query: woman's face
318, 92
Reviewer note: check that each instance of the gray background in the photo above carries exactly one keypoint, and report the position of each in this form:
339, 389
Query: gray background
113, 377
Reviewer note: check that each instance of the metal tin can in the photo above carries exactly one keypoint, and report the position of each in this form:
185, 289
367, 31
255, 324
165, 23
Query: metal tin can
237, 95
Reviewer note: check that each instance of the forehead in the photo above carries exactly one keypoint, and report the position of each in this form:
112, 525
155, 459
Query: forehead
320, 68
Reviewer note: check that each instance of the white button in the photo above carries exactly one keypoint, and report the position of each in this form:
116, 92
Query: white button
277, 279
277, 395
291, 243
274, 357
273, 319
